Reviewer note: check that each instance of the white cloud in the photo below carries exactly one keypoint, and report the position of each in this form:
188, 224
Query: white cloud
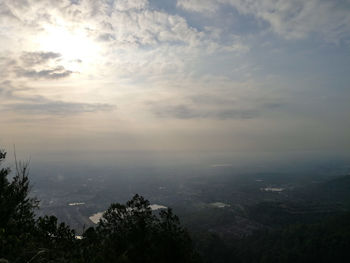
290, 19
124, 5
297, 19
198, 5
165, 71
135, 44
152, 28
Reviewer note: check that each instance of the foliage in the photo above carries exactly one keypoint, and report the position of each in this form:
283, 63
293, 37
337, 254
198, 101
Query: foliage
126, 233
132, 233
16, 211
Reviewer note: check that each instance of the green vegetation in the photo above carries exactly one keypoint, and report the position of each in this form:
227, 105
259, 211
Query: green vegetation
126, 233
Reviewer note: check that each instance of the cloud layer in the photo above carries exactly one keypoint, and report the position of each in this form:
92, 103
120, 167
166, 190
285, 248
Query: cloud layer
290, 19
185, 74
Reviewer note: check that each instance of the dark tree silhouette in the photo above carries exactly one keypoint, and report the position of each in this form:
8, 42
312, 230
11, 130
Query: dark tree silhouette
126, 233
16, 210
132, 233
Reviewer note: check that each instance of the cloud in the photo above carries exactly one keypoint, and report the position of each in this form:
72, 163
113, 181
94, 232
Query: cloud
106, 37
35, 58
7, 90
6, 66
53, 73
290, 19
188, 112
123, 5
51, 107
216, 106
121, 30
5, 12
220, 165
177, 112
33, 65
18, 99
298, 19
151, 27
208, 6
202, 62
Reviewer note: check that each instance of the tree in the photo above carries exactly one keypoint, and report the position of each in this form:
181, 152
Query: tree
16, 210
22, 237
132, 233
126, 233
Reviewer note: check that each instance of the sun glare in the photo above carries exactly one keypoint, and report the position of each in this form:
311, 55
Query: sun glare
77, 48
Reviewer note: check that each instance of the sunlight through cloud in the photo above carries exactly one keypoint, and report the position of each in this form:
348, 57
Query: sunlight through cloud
78, 49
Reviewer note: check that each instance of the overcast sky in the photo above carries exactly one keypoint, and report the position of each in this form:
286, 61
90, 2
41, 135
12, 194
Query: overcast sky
220, 76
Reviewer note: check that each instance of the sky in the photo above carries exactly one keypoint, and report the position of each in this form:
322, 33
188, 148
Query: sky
90, 79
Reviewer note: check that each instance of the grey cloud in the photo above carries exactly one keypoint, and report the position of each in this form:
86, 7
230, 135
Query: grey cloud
8, 90
33, 65
6, 64
5, 11
75, 2
187, 112
290, 19
34, 58
215, 107
300, 18
58, 107
14, 100
106, 37
272, 105
236, 114
229, 101
212, 100
123, 5
198, 5
178, 112
55, 73
5, 92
